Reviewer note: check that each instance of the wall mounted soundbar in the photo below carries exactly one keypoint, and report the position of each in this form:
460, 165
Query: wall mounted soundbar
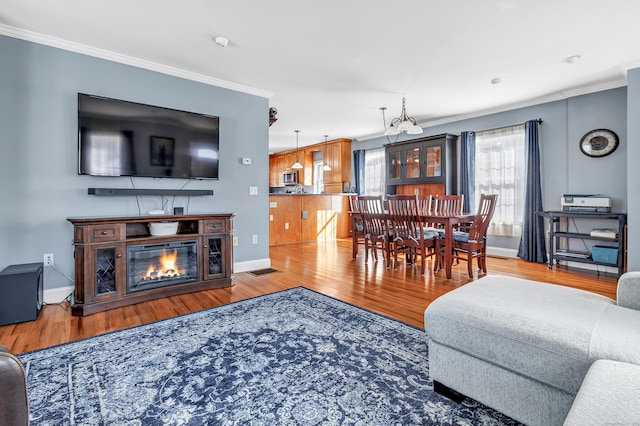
136, 191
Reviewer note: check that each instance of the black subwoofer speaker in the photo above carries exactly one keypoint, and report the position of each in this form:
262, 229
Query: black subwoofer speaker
21, 293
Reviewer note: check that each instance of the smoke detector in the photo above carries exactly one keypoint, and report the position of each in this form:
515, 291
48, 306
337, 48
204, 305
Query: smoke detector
221, 41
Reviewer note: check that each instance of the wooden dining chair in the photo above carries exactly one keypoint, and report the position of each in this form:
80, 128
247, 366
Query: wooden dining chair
448, 204
425, 204
357, 225
408, 232
376, 227
473, 244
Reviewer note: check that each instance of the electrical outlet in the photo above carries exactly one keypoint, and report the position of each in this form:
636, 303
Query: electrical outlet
254, 239
235, 241
48, 259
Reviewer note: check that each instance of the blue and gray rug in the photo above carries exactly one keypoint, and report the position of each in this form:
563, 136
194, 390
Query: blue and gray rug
291, 358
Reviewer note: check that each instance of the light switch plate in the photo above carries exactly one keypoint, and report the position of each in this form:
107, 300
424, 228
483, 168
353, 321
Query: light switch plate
253, 190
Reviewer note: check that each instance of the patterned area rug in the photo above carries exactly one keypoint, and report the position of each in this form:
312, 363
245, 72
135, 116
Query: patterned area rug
290, 358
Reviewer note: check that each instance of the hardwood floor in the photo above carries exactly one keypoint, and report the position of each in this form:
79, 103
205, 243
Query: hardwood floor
327, 267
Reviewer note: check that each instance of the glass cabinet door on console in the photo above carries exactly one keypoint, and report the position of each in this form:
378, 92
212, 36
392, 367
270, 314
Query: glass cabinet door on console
214, 249
105, 270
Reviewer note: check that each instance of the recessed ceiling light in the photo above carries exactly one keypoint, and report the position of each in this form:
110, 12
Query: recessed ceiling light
496, 80
571, 59
221, 41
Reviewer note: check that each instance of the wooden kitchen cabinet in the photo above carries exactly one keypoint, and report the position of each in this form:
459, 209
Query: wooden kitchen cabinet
297, 218
336, 153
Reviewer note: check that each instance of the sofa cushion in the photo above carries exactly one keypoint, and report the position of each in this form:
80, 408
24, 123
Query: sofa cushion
617, 336
609, 395
536, 329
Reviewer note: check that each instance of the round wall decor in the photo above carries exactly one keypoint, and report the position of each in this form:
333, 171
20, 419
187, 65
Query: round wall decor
599, 142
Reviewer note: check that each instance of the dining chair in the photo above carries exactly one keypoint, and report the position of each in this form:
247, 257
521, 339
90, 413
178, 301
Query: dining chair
408, 231
376, 226
473, 244
448, 204
357, 225
425, 204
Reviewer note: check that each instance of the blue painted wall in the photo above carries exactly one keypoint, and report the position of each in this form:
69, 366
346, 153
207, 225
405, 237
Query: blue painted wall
564, 168
39, 184
633, 169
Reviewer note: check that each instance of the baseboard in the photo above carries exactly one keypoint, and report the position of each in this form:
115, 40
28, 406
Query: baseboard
57, 295
502, 252
251, 265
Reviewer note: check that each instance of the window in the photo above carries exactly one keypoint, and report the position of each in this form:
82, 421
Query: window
374, 172
318, 174
500, 168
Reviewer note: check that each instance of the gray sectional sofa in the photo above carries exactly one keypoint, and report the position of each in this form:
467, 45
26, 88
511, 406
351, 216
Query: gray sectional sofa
524, 348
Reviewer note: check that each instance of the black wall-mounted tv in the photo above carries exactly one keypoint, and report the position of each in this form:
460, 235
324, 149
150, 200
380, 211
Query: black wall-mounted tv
121, 138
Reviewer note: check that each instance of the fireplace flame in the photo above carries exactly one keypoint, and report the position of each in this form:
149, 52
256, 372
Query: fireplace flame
166, 268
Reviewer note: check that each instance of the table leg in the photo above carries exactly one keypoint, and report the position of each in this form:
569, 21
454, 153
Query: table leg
448, 248
354, 238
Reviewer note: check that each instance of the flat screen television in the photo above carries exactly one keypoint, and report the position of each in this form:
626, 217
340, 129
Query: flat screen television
121, 138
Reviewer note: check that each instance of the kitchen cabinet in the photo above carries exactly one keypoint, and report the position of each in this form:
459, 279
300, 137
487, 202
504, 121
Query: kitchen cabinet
429, 162
338, 157
336, 153
296, 218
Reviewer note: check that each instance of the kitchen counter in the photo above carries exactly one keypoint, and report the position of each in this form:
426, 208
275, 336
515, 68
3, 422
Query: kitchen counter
296, 218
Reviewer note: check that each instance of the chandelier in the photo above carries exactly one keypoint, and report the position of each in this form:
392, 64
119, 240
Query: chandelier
297, 164
402, 124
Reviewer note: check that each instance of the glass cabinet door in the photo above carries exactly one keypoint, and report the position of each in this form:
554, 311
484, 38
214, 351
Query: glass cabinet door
394, 165
214, 251
105, 271
412, 160
434, 161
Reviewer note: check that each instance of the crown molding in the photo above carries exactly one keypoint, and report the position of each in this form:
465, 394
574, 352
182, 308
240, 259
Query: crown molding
565, 94
71, 46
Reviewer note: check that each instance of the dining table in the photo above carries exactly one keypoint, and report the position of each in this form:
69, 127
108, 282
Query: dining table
447, 222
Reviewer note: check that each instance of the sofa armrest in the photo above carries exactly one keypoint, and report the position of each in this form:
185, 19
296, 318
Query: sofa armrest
629, 290
14, 405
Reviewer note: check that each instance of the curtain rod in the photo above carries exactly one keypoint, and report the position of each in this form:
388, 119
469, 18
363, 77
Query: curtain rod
539, 120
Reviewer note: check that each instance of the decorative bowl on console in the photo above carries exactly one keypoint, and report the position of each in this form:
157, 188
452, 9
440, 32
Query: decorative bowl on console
163, 228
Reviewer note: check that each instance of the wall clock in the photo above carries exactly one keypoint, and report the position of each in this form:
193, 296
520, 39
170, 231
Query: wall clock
599, 142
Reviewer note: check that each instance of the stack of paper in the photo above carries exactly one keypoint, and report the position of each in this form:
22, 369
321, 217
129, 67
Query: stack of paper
605, 233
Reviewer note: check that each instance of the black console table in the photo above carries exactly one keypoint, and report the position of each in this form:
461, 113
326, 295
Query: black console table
559, 232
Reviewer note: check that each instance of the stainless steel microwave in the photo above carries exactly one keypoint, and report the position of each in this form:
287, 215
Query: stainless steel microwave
290, 177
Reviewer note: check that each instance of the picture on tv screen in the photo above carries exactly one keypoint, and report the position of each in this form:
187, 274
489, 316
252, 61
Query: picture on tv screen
121, 138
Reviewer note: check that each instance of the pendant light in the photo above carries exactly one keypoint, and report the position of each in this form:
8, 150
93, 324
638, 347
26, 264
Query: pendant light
297, 164
401, 124
326, 167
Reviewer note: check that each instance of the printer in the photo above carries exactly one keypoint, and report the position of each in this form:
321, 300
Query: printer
585, 203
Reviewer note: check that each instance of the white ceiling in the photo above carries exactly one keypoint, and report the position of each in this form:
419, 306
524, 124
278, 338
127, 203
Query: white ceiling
328, 66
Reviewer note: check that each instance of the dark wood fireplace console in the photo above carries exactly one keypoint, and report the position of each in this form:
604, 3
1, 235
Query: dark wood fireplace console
101, 257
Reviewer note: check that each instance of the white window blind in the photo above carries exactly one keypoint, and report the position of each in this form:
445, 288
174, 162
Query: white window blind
500, 168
